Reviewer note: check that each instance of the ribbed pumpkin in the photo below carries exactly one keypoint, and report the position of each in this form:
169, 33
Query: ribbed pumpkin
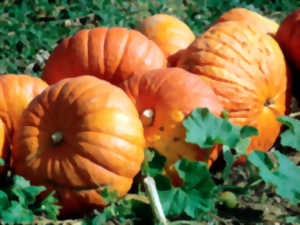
16, 91
111, 54
168, 32
77, 136
247, 70
288, 37
257, 21
164, 97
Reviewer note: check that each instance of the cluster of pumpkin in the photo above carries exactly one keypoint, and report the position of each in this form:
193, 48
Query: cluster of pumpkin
114, 91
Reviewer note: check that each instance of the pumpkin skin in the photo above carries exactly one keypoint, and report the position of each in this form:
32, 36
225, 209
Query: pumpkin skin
247, 70
111, 54
168, 32
288, 37
3, 149
16, 91
75, 137
257, 21
171, 94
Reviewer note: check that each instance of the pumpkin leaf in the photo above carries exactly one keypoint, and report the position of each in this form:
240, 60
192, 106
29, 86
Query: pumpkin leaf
293, 219
153, 163
25, 193
285, 177
2, 163
194, 198
16, 214
290, 137
48, 207
4, 201
229, 159
205, 129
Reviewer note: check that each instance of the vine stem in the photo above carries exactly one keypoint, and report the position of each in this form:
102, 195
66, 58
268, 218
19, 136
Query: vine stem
151, 192
295, 114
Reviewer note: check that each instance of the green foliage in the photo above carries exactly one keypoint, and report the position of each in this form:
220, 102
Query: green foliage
153, 164
290, 137
124, 209
18, 202
285, 177
194, 198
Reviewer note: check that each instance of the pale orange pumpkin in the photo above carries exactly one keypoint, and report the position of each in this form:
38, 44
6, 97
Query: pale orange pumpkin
168, 32
247, 70
164, 97
16, 91
113, 54
76, 137
257, 21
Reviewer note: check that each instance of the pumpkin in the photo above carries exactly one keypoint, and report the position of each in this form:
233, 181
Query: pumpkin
3, 149
168, 32
288, 37
76, 137
247, 70
164, 97
257, 21
111, 54
16, 91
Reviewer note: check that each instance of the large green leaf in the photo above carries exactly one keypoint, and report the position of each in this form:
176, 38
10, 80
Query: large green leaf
285, 177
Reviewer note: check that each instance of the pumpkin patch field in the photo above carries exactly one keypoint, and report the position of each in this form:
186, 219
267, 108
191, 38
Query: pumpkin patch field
161, 112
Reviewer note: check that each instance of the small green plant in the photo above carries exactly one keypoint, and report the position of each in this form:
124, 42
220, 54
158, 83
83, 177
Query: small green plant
19, 204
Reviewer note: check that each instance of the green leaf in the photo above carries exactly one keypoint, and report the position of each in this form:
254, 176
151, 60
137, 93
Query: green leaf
285, 178
16, 213
4, 201
229, 159
248, 131
194, 197
22, 189
154, 163
49, 207
290, 137
293, 219
205, 129
109, 195
2, 163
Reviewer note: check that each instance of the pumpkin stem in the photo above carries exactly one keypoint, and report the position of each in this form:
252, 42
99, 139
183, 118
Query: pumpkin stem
154, 200
57, 137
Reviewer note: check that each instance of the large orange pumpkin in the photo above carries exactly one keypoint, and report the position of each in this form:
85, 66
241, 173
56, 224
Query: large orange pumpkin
16, 91
288, 37
168, 32
164, 97
257, 21
247, 70
111, 54
77, 136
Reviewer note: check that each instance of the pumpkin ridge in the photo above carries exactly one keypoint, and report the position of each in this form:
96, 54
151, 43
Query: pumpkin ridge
102, 167
110, 151
121, 55
219, 40
122, 58
227, 59
224, 80
112, 135
88, 156
241, 43
101, 55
